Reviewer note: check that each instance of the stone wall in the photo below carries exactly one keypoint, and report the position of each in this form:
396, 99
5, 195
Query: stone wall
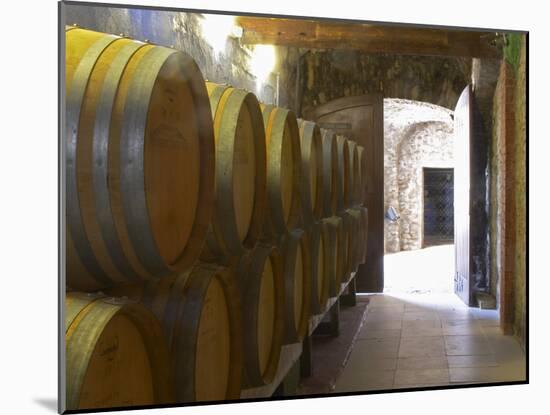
508, 195
181, 31
323, 75
416, 135
329, 74
502, 204
520, 272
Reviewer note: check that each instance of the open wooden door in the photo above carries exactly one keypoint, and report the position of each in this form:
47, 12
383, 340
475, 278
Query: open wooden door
360, 118
463, 125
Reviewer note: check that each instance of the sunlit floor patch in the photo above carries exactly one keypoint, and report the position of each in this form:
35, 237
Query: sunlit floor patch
412, 340
428, 270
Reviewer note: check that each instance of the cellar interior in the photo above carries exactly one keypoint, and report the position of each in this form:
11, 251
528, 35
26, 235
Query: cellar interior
240, 191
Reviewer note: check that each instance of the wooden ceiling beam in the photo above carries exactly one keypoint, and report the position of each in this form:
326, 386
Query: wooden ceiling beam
369, 38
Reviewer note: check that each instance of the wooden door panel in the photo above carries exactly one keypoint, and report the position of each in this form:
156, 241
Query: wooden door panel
360, 118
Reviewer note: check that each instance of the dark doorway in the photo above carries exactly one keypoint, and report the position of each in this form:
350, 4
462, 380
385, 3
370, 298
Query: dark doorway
438, 206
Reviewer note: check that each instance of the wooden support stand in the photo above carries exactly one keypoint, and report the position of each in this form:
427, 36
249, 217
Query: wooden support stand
306, 360
350, 298
296, 357
331, 327
290, 383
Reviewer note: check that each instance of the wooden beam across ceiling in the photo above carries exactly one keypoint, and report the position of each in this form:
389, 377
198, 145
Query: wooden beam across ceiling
371, 38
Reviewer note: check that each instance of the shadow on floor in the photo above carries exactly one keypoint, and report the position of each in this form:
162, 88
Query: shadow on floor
48, 403
333, 351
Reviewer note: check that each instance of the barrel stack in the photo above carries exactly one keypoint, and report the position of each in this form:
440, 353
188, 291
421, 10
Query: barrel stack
261, 282
133, 109
204, 229
240, 178
119, 337
284, 173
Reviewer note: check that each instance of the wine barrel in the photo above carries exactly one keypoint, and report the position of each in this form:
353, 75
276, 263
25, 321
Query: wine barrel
320, 264
334, 250
240, 181
330, 173
354, 174
312, 171
284, 177
297, 277
116, 354
200, 314
346, 246
342, 151
261, 282
355, 239
364, 233
362, 172
139, 160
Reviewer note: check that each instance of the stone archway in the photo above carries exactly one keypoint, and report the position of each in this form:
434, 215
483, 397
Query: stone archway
326, 75
416, 135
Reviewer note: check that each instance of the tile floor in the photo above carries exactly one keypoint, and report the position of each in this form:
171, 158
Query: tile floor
431, 339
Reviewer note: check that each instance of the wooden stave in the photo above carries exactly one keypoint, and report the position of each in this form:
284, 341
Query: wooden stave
354, 174
196, 283
196, 238
330, 176
334, 228
364, 232
324, 234
343, 172
357, 239
318, 301
76, 90
183, 295
125, 258
276, 225
93, 312
311, 147
362, 169
296, 331
222, 241
249, 271
86, 79
347, 247
130, 266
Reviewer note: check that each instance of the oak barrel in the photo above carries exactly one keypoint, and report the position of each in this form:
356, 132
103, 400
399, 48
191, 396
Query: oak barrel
261, 282
116, 354
362, 171
355, 238
201, 317
240, 181
330, 173
346, 247
364, 234
354, 174
297, 278
311, 146
320, 267
284, 178
342, 159
139, 160
334, 249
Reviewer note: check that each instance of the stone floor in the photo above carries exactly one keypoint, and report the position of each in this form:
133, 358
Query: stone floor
329, 353
428, 339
